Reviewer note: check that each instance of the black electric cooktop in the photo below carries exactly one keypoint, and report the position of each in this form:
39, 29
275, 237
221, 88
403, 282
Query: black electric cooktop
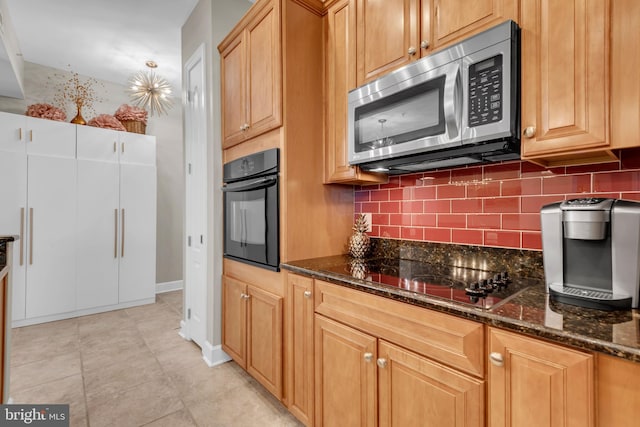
470, 286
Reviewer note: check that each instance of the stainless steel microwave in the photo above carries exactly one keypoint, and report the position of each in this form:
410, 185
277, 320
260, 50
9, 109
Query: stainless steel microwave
457, 106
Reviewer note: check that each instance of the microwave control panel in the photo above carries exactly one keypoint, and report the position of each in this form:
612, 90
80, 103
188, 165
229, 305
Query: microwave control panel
485, 91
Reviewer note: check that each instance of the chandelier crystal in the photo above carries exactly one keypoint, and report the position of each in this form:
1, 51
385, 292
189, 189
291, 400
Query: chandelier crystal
151, 92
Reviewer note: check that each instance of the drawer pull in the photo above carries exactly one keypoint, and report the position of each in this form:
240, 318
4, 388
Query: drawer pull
382, 363
496, 359
307, 294
368, 357
245, 296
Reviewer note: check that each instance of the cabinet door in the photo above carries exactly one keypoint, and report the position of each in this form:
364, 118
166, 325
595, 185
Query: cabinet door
264, 70
565, 75
137, 149
50, 138
387, 33
414, 391
97, 144
13, 130
300, 347
233, 92
97, 233
137, 275
51, 254
13, 216
234, 320
539, 384
455, 20
264, 339
340, 36
345, 380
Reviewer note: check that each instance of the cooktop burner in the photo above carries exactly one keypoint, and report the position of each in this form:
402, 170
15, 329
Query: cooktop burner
475, 287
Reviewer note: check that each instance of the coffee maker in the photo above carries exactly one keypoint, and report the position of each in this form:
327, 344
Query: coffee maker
591, 252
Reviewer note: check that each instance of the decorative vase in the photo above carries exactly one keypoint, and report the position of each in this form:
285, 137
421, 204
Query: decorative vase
78, 119
359, 242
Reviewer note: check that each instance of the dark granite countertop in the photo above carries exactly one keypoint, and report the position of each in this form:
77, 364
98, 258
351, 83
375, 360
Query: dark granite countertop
3, 248
528, 311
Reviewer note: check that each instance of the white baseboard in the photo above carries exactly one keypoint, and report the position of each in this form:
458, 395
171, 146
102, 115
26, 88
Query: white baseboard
183, 331
214, 355
169, 286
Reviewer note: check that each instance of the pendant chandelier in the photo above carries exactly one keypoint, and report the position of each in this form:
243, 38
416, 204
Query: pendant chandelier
150, 91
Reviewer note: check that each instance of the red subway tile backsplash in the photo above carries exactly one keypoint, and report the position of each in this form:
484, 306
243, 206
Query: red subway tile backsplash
494, 205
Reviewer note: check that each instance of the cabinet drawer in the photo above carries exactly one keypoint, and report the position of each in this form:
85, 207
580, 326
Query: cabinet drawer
450, 340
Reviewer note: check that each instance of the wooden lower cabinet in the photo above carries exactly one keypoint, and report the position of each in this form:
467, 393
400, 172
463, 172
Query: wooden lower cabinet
345, 382
365, 381
252, 331
534, 383
299, 374
618, 392
416, 391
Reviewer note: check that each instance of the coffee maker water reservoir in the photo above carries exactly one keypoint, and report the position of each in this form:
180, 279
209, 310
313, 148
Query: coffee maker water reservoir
591, 252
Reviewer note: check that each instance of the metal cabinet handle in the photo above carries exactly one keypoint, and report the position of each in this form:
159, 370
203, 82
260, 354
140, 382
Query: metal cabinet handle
30, 235
115, 144
307, 294
368, 357
31, 135
245, 296
382, 363
122, 148
122, 234
424, 44
20, 134
529, 132
115, 234
411, 50
21, 236
496, 359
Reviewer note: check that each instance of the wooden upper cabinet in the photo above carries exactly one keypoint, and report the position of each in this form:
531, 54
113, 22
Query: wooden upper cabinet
454, 20
251, 75
533, 383
565, 81
387, 36
340, 75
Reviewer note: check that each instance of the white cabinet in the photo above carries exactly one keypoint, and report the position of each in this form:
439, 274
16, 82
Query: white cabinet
38, 159
13, 194
97, 230
84, 203
116, 217
138, 232
51, 220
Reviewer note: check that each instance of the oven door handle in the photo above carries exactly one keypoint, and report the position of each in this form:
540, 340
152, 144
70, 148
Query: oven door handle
253, 185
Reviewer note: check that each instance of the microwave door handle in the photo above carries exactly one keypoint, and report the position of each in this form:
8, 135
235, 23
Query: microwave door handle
453, 102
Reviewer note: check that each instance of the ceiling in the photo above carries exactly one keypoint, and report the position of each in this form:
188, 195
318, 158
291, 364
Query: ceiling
105, 39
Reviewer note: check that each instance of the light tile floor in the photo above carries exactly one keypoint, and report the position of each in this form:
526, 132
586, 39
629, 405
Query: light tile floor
131, 368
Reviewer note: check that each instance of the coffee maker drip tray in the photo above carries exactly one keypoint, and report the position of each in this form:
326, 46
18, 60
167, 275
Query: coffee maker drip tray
588, 297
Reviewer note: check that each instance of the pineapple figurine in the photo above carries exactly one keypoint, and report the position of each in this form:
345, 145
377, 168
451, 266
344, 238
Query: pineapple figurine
358, 268
359, 241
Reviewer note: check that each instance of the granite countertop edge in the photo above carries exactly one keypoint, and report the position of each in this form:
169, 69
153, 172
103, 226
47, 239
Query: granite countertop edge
476, 314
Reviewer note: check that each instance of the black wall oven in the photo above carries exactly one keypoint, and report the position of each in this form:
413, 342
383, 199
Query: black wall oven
251, 210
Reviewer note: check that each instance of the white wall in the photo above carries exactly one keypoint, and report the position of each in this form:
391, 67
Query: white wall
209, 23
41, 84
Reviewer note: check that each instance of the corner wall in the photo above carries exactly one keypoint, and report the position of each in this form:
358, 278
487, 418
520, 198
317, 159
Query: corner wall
209, 23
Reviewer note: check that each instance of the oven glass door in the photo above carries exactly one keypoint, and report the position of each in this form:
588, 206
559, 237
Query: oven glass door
251, 222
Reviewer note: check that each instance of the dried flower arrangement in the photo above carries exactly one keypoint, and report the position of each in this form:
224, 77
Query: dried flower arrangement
80, 93
46, 111
129, 112
106, 121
